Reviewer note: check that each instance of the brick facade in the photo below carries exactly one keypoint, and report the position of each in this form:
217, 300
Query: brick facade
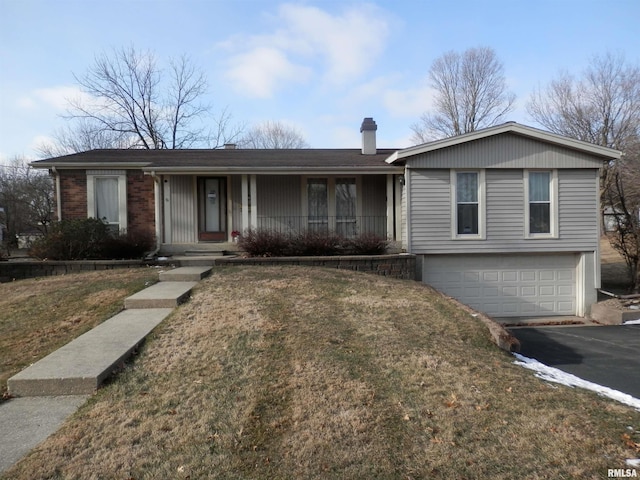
73, 186
140, 203
140, 199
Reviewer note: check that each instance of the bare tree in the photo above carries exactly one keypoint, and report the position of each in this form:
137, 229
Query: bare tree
623, 201
80, 136
26, 196
601, 107
131, 102
471, 93
273, 134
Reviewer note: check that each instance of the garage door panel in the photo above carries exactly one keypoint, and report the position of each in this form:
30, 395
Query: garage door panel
491, 276
507, 285
509, 276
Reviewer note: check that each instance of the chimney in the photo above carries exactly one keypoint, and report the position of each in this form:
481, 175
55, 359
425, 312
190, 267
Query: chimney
229, 146
368, 130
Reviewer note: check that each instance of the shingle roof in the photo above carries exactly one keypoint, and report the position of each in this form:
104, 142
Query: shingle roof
282, 159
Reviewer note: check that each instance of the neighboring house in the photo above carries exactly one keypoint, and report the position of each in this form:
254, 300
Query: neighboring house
505, 219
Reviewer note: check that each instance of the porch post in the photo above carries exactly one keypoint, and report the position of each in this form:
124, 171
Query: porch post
245, 203
390, 208
254, 201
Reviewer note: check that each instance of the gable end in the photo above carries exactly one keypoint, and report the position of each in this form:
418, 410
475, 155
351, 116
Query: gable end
507, 150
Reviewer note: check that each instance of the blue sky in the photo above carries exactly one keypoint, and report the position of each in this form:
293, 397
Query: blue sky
320, 66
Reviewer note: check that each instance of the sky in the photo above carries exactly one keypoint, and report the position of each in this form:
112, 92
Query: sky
318, 66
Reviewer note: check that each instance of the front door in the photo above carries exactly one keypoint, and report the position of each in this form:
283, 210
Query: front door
212, 209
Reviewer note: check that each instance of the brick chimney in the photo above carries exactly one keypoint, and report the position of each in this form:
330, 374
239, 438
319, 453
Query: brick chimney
368, 130
229, 146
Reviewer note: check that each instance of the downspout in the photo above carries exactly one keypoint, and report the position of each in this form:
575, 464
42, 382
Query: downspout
56, 175
157, 213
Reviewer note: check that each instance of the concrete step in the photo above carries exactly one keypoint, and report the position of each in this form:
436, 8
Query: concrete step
160, 295
204, 253
185, 274
82, 365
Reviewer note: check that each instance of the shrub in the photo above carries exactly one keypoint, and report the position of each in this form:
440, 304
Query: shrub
366, 244
127, 245
269, 243
315, 244
88, 239
72, 240
264, 243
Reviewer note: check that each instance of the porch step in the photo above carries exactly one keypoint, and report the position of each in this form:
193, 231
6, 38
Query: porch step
204, 253
185, 274
161, 295
82, 365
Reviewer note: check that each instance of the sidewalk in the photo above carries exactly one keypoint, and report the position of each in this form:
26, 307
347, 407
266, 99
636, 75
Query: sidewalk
52, 389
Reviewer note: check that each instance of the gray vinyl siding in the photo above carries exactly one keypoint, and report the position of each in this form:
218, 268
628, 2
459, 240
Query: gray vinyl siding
430, 215
183, 209
278, 196
374, 195
374, 204
507, 150
578, 208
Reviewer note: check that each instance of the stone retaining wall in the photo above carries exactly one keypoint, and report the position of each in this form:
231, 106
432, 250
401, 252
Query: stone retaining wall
401, 266
20, 270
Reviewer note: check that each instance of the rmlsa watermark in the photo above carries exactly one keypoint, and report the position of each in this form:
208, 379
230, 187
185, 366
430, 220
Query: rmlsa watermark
622, 473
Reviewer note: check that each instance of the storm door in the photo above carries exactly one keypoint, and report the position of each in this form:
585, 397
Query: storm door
212, 209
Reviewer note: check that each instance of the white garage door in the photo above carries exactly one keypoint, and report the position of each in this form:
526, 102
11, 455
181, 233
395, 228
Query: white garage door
507, 285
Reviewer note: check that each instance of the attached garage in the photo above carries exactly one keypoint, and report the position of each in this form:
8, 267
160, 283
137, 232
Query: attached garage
509, 285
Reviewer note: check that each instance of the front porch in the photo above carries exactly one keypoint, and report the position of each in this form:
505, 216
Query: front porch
196, 212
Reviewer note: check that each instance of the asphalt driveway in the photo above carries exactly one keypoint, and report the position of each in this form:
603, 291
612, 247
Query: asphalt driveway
606, 355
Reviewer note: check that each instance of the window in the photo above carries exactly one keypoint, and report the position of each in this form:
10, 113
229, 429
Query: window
540, 209
467, 204
107, 197
317, 204
332, 204
106, 191
346, 207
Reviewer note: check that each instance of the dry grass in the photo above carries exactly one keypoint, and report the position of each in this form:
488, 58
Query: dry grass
40, 315
282, 373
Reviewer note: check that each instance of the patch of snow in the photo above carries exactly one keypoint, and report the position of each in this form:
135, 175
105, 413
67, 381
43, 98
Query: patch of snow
551, 374
632, 322
163, 258
633, 462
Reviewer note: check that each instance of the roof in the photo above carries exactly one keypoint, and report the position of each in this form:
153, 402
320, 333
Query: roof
228, 160
509, 127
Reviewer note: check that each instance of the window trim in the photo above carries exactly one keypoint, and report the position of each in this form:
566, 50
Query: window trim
553, 205
482, 224
121, 175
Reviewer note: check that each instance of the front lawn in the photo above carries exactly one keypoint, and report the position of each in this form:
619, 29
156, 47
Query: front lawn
37, 316
303, 373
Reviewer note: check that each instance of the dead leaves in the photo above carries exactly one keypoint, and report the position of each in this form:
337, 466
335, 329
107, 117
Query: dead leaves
630, 442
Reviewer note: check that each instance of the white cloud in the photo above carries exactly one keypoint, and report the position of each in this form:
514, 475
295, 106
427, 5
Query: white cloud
56, 98
411, 102
260, 71
338, 48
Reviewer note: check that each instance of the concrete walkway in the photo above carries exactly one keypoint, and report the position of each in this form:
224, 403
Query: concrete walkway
52, 389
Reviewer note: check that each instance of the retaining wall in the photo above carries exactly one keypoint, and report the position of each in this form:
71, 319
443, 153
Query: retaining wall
20, 270
401, 266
